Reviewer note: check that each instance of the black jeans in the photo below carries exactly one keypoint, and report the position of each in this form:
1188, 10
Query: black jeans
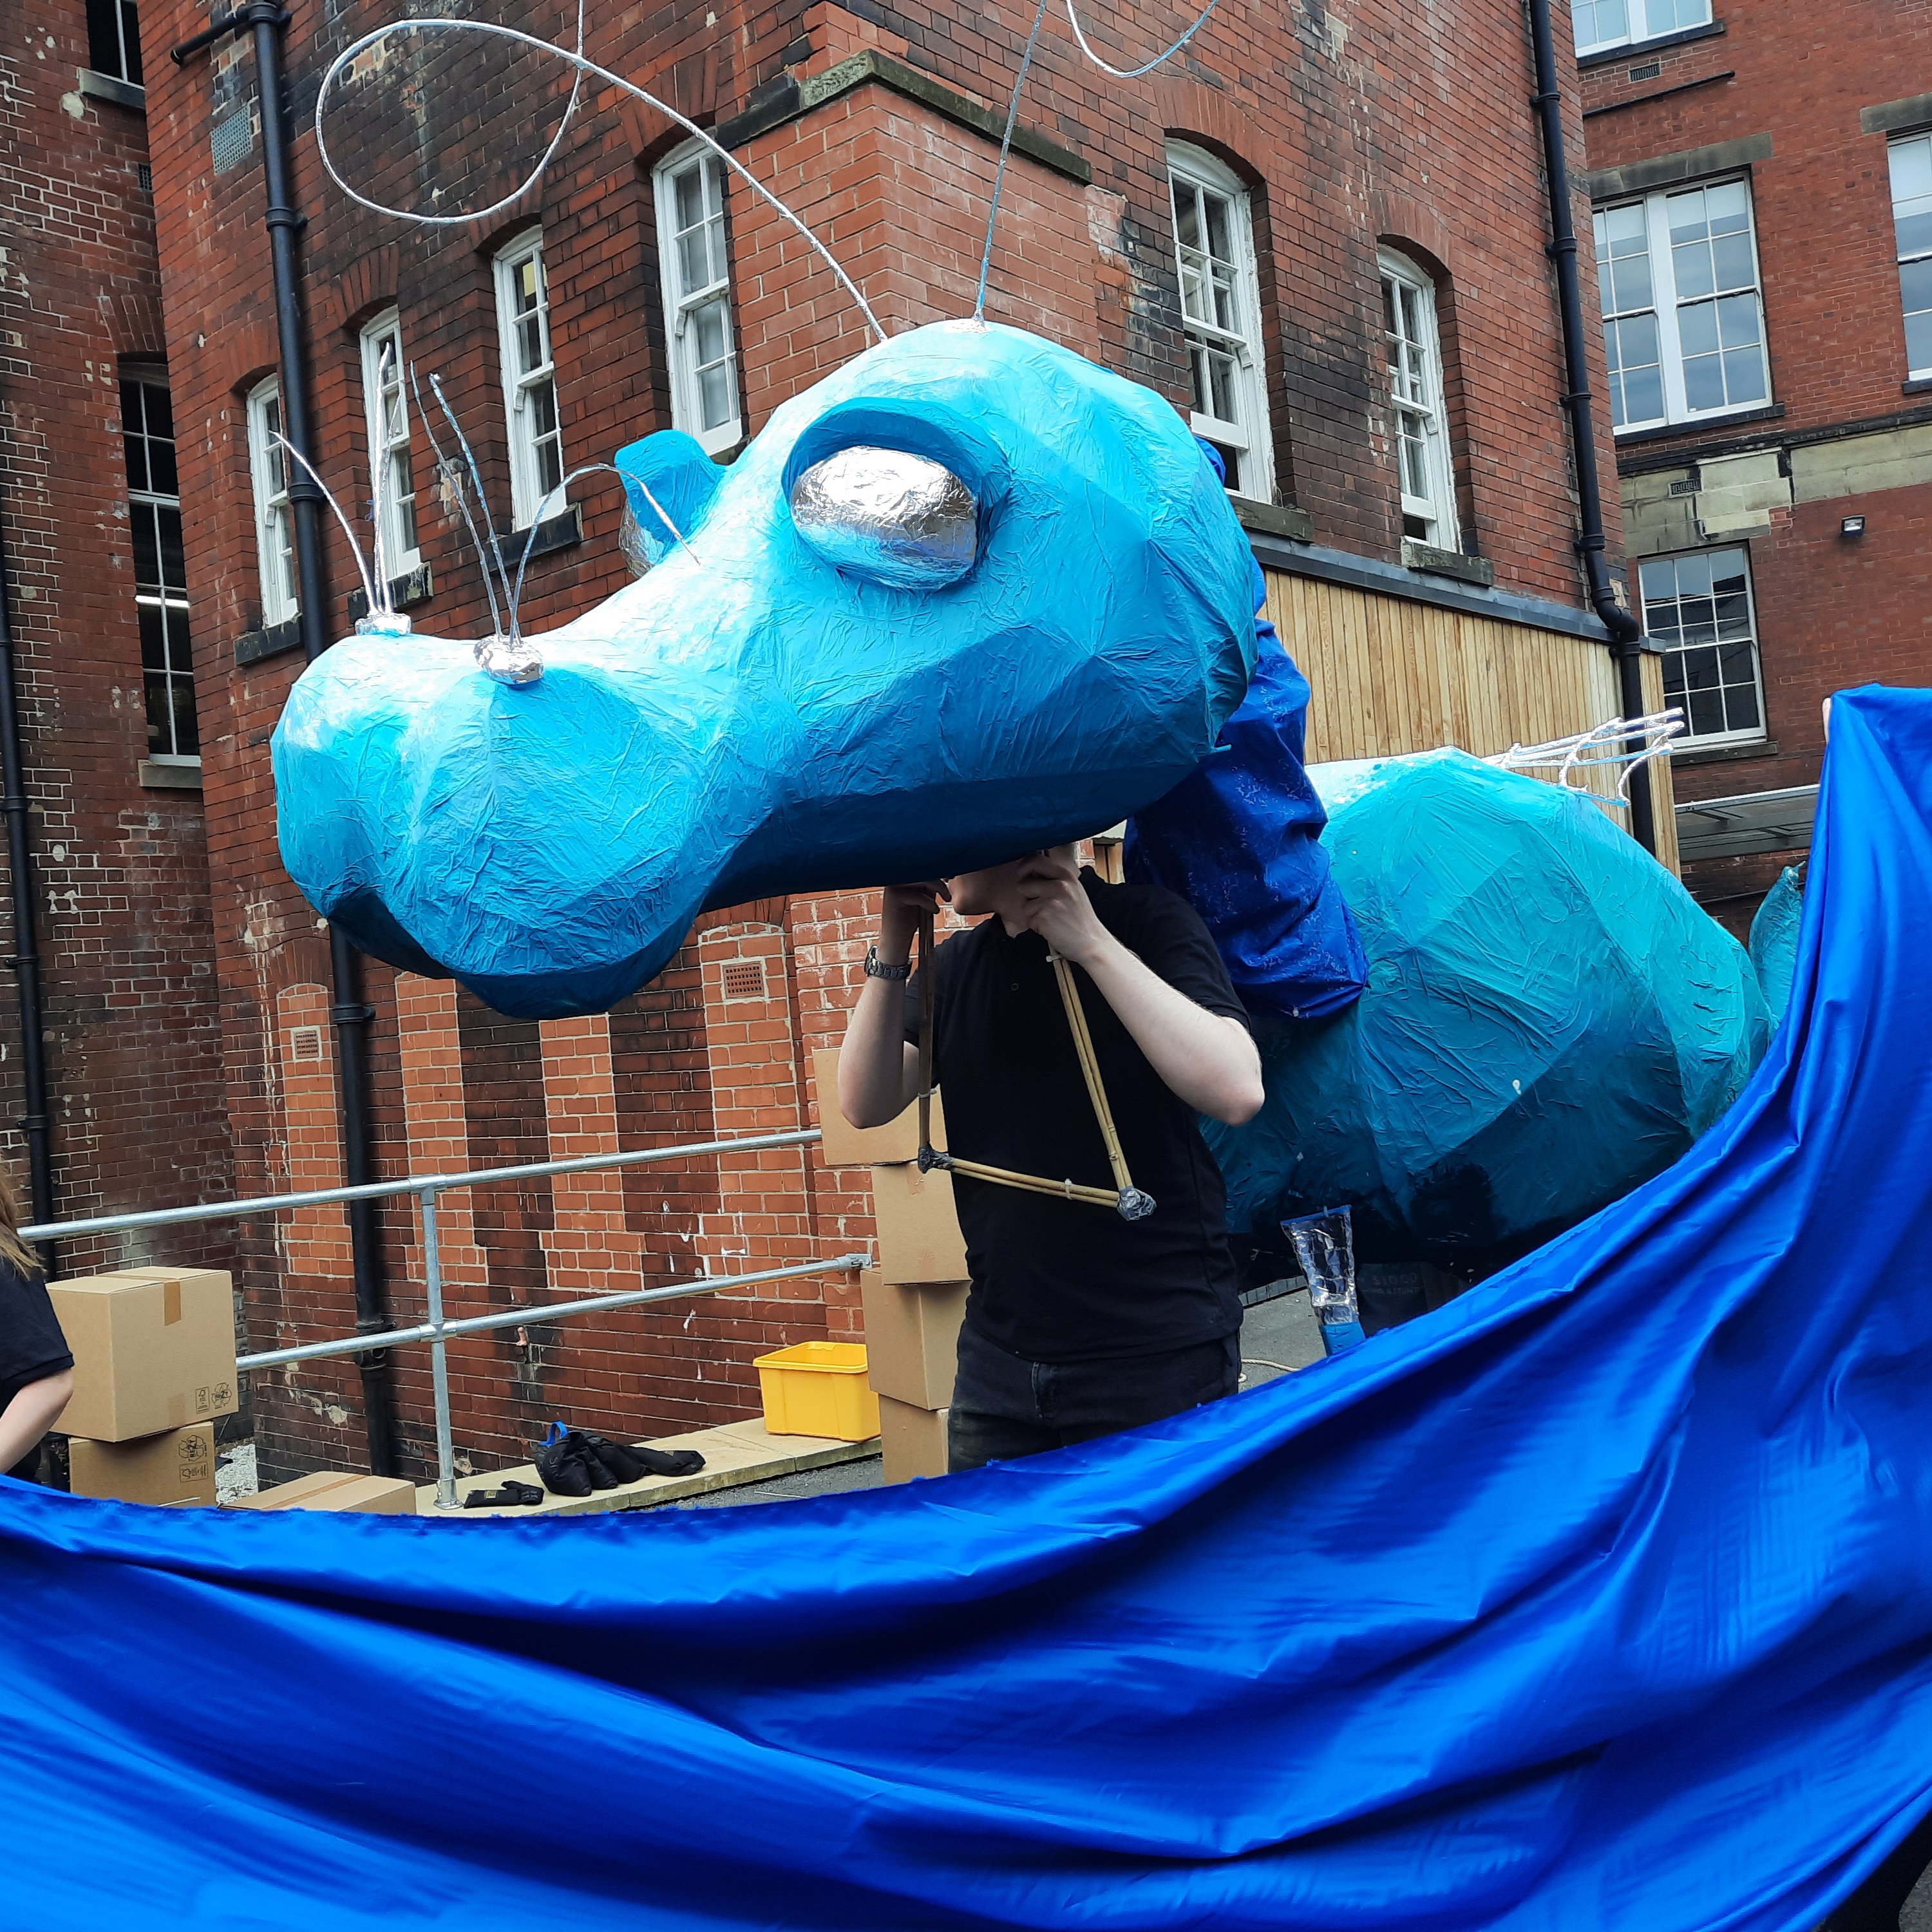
1004, 1406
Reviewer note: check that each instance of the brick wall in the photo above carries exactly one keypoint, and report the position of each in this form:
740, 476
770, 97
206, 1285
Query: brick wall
1847, 432
132, 1006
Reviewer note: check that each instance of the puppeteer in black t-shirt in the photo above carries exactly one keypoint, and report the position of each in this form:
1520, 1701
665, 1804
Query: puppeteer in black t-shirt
1055, 1280
31, 1345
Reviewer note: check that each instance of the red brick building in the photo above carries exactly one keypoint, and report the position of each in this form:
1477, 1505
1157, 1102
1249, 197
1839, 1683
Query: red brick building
1762, 178
96, 582
1323, 237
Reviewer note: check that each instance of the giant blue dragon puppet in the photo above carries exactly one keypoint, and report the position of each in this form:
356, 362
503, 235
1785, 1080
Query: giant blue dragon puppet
972, 595
1598, 1598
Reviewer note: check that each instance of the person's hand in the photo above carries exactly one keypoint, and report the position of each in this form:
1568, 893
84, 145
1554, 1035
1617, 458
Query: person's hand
1055, 905
905, 906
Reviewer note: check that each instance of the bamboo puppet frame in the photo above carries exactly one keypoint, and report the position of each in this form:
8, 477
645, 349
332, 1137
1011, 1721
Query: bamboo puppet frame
1124, 1198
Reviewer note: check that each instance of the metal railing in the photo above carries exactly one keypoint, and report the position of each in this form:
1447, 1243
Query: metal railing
437, 1329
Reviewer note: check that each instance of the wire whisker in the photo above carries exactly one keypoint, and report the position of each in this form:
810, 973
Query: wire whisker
452, 480
328, 497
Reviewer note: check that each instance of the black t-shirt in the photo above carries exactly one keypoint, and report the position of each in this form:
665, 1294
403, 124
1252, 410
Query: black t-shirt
1070, 1281
31, 1345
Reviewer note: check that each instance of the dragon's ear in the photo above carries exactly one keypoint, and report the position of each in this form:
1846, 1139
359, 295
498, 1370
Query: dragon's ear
671, 467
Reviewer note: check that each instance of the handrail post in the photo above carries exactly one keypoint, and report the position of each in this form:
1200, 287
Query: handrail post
438, 1354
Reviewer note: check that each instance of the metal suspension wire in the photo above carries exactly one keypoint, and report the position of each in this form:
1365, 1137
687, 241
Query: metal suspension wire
1135, 73
583, 66
1006, 149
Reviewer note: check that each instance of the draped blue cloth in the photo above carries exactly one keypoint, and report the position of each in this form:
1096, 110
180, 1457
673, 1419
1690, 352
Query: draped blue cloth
1601, 1598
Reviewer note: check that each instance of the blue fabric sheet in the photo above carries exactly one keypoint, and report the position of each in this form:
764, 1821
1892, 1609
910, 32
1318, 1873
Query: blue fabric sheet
1601, 1598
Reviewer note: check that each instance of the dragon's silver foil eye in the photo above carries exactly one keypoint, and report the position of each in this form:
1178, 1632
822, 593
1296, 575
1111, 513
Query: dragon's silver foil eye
900, 519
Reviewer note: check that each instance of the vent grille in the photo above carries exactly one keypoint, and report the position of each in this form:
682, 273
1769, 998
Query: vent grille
745, 979
1650, 70
305, 1043
231, 140
145, 175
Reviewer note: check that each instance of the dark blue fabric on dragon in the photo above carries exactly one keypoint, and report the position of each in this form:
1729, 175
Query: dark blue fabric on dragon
1239, 839
1601, 1597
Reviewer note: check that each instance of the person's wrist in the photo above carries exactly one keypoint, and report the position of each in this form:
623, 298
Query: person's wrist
1091, 948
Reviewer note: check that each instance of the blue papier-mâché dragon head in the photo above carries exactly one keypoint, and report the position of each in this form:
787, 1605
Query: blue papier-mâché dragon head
786, 702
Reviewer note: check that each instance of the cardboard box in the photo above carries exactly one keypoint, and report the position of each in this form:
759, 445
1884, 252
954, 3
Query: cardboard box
176, 1466
912, 1441
912, 1337
845, 1146
337, 1489
919, 1232
154, 1348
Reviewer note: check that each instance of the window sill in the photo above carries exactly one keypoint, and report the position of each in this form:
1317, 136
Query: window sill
271, 641
105, 87
1693, 753
413, 587
1656, 43
1919, 386
553, 533
167, 775
1274, 520
1447, 563
1730, 419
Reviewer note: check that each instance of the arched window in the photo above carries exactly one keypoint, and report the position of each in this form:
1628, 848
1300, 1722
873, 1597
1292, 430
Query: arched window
386, 411
1220, 306
529, 381
1416, 398
274, 533
697, 277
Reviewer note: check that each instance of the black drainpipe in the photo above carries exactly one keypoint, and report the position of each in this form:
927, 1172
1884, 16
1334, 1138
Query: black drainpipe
350, 1011
25, 962
1625, 631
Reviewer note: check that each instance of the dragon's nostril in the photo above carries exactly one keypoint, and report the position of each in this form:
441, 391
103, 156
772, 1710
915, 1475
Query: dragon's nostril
512, 660
899, 519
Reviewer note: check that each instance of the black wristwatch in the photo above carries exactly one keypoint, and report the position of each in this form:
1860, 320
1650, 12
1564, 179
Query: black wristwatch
876, 968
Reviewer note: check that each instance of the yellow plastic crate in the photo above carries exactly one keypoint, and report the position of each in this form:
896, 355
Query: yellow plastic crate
818, 1388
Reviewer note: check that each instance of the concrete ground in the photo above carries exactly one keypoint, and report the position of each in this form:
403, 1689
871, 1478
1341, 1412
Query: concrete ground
866, 1474
1917, 1916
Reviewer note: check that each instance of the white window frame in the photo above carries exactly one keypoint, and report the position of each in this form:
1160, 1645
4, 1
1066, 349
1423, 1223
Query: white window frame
389, 445
268, 468
521, 386
1418, 403
1906, 257
170, 601
1666, 306
1693, 738
1649, 12
682, 306
1250, 437
126, 64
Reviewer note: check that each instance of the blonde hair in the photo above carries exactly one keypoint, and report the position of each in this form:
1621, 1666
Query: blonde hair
12, 1248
